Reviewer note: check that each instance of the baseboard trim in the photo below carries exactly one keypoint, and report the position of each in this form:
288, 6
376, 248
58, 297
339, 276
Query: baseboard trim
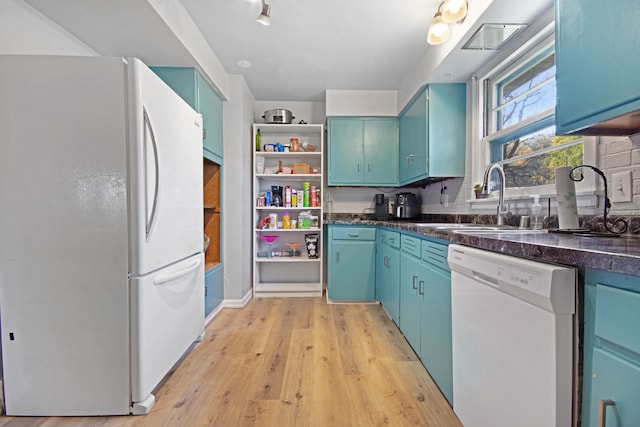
239, 303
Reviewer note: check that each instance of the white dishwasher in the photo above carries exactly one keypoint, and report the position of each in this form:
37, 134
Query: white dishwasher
513, 345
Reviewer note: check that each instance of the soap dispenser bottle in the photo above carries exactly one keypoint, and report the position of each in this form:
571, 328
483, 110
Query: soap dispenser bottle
536, 213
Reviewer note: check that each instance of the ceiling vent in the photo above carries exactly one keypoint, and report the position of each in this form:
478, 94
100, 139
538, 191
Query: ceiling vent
492, 36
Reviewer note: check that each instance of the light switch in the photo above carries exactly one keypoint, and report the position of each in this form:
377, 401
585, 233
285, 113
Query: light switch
622, 191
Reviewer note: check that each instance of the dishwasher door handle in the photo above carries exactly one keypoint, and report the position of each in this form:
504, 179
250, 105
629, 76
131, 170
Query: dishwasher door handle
490, 281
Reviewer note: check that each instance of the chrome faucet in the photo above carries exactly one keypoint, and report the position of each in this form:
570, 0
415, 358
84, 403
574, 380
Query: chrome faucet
502, 209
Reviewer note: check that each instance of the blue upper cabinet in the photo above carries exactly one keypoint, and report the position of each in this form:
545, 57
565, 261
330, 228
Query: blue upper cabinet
194, 89
363, 151
433, 134
598, 89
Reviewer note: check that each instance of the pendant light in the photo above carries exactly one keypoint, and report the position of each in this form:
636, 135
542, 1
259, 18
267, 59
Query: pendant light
264, 17
438, 30
454, 10
448, 12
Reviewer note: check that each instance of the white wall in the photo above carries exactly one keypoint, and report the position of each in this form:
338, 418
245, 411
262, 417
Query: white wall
310, 112
237, 191
361, 103
23, 30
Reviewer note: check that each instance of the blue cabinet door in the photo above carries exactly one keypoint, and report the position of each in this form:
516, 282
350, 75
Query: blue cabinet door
388, 276
611, 348
618, 380
351, 271
381, 271
435, 323
363, 151
392, 283
597, 71
411, 273
381, 151
214, 288
351, 267
210, 106
413, 140
433, 134
194, 89
346, 152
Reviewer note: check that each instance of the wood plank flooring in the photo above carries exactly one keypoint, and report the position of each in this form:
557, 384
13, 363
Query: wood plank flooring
290, 362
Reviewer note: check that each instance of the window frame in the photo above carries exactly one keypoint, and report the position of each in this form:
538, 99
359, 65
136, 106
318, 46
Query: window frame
532, 48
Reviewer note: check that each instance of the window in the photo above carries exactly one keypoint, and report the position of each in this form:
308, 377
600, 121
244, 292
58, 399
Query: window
519, 121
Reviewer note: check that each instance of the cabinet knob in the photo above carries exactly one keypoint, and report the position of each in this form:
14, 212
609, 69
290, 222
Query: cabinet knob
602, 411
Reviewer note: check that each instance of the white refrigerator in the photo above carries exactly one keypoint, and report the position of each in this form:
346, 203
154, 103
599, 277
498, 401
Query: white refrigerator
101, 263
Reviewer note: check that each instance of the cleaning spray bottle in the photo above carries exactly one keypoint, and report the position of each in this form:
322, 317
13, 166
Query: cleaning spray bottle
536, 213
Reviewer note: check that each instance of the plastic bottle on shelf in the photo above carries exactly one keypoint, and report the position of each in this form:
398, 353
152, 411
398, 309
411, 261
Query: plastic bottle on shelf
286, 220
306, 188
536, 213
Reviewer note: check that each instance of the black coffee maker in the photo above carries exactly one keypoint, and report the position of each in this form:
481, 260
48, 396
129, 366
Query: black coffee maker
381, 207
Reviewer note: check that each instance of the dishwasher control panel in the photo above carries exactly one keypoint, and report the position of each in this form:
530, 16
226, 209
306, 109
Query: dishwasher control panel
548, 286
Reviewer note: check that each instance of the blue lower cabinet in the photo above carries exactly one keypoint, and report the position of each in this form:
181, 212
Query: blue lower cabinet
425, 307
611, 350
213, 288
435, 333
388, 272
411, 274
351, 265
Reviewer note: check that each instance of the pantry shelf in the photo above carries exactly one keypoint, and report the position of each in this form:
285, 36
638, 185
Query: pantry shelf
289, 259
274, 174
287, 230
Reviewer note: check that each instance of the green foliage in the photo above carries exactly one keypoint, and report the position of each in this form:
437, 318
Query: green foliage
539, 170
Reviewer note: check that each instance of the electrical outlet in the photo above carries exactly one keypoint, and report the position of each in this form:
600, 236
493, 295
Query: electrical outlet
622, 191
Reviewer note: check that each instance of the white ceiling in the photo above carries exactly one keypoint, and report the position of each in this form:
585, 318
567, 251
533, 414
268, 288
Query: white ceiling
311, 46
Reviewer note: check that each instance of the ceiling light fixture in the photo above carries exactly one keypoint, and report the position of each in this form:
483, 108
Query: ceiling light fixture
454, 10
448, 12
438, 30
264, 17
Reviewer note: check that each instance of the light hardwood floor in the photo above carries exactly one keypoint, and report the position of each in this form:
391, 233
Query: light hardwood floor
291, 362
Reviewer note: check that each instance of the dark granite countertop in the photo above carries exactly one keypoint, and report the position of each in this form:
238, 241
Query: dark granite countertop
617, 254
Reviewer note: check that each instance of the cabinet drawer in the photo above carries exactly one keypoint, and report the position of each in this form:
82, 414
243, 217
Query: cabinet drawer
410, 245
618, 316
435, 253
353, 233
391, 238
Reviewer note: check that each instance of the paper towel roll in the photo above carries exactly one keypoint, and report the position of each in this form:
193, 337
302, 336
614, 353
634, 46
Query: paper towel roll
566, 193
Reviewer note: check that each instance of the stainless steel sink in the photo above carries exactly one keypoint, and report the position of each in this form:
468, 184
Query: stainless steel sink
463, 228
498, 231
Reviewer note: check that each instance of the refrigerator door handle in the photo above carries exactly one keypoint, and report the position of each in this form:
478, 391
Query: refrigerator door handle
161, 280
154, 209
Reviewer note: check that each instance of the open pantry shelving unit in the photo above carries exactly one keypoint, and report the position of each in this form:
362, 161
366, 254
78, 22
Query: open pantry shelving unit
297, 275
